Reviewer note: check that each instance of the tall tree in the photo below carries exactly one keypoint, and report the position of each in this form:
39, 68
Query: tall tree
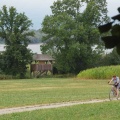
14, 29
71, 32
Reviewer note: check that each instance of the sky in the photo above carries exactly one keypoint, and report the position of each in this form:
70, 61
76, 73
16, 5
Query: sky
36, 10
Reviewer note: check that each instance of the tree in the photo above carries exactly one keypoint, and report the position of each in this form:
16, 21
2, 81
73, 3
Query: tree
111, 58
71, 32
14, 30
112, 39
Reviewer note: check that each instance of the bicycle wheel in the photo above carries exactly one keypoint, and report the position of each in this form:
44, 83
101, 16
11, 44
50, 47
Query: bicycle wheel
112, 95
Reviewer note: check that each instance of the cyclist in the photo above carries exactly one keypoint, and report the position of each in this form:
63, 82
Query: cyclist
116, 84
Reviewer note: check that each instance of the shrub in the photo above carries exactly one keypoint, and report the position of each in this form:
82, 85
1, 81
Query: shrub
105, 72
4, 77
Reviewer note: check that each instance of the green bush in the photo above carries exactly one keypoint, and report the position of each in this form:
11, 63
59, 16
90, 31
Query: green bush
5, 77
105, 72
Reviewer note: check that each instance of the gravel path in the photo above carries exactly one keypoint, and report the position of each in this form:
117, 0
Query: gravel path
46, 106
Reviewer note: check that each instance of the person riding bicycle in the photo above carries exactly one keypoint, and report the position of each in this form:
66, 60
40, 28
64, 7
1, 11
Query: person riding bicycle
116, 84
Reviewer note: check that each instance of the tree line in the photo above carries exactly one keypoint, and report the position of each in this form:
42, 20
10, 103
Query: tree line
37, 38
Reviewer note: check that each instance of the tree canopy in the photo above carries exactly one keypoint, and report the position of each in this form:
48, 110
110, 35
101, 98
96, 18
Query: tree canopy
14, 30
70, 33
112, 39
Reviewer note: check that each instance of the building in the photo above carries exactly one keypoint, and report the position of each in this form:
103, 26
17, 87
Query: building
42, 63
43, 59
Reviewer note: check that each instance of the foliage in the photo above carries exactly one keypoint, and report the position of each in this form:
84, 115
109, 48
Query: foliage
33, 39
13, 29
113, 40
5, 77
70, 33
110, 59
105, 72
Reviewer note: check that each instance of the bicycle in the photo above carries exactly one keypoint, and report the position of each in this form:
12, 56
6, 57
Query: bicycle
113, 94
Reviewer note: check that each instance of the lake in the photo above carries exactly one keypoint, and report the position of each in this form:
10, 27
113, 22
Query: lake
34, 47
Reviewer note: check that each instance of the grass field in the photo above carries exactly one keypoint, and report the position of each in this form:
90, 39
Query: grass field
96, 111
14, 93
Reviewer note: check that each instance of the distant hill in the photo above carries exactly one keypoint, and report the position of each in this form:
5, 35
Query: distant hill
37, 38
33, 40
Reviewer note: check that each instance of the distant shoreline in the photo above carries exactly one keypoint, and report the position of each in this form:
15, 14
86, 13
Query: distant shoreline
34, 47
28, 44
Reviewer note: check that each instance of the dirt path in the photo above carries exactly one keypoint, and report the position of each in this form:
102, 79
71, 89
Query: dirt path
46, 106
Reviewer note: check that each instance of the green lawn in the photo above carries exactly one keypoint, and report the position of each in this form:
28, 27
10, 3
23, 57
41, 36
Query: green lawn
15, 93
96, 111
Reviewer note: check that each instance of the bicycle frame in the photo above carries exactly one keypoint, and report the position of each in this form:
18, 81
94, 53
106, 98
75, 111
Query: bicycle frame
113, 94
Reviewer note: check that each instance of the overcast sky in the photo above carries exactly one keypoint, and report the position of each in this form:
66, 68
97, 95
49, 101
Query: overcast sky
36, 10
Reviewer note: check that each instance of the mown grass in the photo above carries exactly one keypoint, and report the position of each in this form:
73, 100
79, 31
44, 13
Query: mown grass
15, 93
96, 111
50, 90
105, 72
